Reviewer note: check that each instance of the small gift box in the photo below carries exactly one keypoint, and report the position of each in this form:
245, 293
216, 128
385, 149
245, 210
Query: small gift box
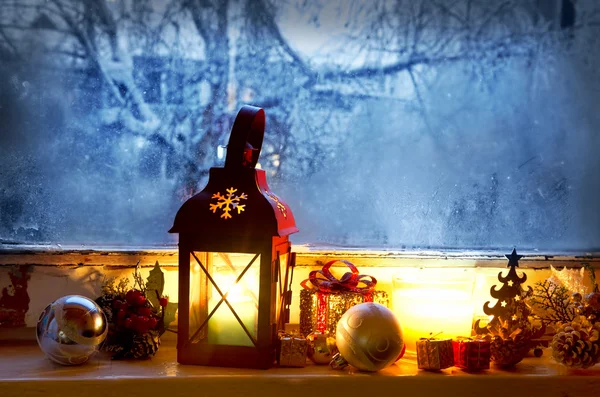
435, 354
472, 354
325, 298
292, 350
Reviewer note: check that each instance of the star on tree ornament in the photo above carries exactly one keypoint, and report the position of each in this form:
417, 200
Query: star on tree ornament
513, 258
510, 315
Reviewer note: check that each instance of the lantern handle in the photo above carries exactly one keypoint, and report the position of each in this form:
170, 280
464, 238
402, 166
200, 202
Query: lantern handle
245, 141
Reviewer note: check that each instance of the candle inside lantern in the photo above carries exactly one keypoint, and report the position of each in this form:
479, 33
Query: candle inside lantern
223, 327
432, 301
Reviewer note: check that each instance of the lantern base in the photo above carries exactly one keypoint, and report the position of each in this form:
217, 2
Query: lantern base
227, 356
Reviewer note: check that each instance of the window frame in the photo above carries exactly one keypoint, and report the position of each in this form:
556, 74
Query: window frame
307, 255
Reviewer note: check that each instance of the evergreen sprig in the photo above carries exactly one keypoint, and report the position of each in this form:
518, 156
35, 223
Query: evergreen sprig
554, 303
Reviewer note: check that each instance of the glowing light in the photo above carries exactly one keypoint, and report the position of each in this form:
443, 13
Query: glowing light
98, 322
223, 327
424, 306
236, 292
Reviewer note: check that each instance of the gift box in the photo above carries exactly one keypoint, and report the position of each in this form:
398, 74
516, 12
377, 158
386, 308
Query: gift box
435, 354
292, 351
325, 298
472, 354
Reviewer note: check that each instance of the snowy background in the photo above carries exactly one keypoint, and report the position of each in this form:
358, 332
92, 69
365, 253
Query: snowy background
407, 123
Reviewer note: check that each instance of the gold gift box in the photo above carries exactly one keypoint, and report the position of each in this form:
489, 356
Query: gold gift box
336, 305
435, 354
292, 352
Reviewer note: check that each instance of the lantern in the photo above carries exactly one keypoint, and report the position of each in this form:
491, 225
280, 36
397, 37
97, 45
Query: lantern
235, 259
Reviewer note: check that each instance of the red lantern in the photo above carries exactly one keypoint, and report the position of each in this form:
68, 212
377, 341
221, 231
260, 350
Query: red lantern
235, 259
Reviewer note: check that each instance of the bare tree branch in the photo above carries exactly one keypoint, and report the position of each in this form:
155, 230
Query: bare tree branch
267, 18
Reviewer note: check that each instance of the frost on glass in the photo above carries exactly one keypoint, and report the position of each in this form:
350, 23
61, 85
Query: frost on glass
408, 123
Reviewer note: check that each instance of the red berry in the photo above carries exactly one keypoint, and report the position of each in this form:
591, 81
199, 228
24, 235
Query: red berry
141, 324
152, 323
124, 306
116, 304
121, 313
128, 323
144, 311
133, 316
164, 301
140, 300
132, 296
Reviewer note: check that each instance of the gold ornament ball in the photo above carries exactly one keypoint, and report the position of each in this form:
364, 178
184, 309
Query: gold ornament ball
321, 347
369, 337
70, 330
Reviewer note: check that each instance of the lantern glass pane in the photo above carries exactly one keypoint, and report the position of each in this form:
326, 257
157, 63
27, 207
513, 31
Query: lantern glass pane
282, 280
198, 307
234, 289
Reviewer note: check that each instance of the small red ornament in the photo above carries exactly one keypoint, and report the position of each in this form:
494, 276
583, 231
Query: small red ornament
402, 352
164, 301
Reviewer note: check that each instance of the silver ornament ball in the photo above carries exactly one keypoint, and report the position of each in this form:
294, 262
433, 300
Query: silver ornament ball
70, 329
369, 337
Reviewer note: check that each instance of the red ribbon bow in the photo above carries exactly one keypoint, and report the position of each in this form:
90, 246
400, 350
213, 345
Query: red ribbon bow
325, 282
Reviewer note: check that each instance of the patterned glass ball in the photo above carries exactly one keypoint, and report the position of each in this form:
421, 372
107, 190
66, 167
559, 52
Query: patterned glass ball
70, 329
369, 337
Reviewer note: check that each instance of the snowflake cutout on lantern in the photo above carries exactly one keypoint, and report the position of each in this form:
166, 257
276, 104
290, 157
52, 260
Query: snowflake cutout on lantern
280, 205
228, 202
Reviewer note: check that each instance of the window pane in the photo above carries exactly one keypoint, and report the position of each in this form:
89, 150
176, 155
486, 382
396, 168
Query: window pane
444, 124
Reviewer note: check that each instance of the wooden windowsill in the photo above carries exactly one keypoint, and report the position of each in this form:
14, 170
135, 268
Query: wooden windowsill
25, 371
307, 255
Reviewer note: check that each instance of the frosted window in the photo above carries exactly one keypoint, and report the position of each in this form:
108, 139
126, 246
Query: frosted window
408, 123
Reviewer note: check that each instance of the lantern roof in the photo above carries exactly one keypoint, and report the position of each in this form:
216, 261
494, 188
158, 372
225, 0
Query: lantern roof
237, 200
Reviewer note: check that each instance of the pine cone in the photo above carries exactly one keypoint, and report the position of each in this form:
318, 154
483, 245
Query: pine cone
145, 345
105, 302
508, 352
574, 346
